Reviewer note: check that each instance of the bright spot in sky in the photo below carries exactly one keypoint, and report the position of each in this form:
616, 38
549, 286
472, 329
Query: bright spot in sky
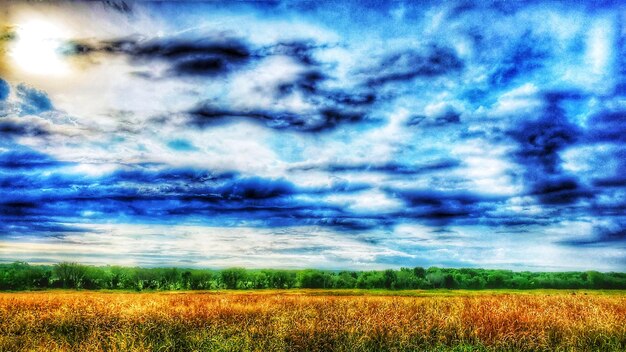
37, 48
599, 46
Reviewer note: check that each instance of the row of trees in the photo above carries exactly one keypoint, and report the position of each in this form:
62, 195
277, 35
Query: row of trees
22, 276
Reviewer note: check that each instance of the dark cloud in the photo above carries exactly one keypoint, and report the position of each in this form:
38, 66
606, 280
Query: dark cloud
429, 197
607, 126
26, 159
412, 64
363, 99
445, 118
18, 225
121, 6
540, 139
152, 195
355, 223
331, 107
614, 232
325, 118
303, 51
207, 56
255, 188
559, 189
219, 55
35, 190
388, 168
308, 83
612, 181
186, 57
22, 127
445, 207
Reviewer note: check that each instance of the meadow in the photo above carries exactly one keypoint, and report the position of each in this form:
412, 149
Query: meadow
314, 320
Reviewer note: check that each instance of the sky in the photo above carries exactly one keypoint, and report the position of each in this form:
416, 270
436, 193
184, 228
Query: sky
314, 134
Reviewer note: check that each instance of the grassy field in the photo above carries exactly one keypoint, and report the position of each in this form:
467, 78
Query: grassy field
314, 320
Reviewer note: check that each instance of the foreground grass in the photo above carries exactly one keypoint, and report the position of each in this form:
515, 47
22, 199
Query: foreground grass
314, 320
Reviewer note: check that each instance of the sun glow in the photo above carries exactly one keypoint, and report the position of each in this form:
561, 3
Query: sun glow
37, 49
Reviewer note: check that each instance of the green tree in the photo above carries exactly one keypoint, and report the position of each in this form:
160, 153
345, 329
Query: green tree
70, 275
389, 278
233, 278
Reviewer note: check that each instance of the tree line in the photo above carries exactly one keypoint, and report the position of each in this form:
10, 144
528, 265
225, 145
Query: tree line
23, 276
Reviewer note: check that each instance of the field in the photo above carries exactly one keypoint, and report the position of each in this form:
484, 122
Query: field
314, 320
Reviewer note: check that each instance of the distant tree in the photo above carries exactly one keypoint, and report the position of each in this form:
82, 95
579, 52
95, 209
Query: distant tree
389, 278
311, 278
435, 277
257, 280
596, 279
171, 279
406, 279
70, 275
233, 278
448, 281
344, 279
201, 280
279, 279
495, 280
371, 279
419, 272
186, 278
23, 276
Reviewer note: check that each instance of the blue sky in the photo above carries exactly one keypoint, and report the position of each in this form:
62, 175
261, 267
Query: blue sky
293, 134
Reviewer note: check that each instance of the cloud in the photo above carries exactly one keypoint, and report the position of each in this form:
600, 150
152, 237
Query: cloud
301, 101
559, 190
303, 51
325, 118
22, 127
391, 168
33, 101
607, 126
373, 123
5, 89
411, 64
613, 170
540, 140
43, 188
524, 58
210, 56
16, 224
119, 5
441, 118
445, 207
26, 160
602, 235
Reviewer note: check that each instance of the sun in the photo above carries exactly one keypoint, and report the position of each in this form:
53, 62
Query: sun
37, 48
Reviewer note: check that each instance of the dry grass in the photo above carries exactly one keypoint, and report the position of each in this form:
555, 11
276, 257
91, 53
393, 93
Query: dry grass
310, 321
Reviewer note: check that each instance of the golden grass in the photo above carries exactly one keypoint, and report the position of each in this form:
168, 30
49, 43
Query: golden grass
310, 321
